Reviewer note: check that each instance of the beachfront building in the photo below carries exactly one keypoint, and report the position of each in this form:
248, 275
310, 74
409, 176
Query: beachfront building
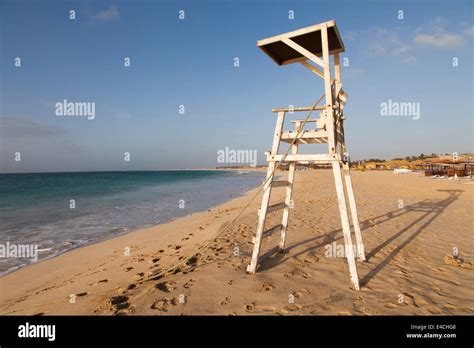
448, 166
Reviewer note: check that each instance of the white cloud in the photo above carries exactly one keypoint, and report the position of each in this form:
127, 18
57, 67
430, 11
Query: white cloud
108, 15
383, 42
440, 40
435, 35
403, 43
469, 31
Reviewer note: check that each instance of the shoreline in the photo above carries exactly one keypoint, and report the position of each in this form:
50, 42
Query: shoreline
408, 253
38, 267
106, 238
250, 169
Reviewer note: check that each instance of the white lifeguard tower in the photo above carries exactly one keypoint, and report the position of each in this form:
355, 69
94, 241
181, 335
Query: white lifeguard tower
315, 44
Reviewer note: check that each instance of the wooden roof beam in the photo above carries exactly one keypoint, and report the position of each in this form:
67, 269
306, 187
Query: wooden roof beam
303, 51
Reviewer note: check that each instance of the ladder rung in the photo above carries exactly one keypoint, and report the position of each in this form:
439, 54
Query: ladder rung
270, 231
307, 121
306, 135
279, 183
307, 141
319, 158
273, 207
300, 108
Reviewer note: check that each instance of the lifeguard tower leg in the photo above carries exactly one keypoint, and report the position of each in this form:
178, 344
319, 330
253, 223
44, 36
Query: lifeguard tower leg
353, 208
348, 247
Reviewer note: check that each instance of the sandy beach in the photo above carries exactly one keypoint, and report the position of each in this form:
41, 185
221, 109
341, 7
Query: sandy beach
410, 225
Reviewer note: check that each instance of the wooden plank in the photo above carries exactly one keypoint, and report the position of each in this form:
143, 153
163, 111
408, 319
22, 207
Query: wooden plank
303, 51
274, 207
302, 59
321, 140
310, 120
294, 60
270, 231
299, 108
320, 122
325, 158
333, 24
314, 69
337, 67
278, 130
267, 52
294, 33
279, 183
282, 57
348, 247
327, 90
308, 134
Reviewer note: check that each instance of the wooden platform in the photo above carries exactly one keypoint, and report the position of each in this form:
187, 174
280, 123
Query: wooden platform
308, 38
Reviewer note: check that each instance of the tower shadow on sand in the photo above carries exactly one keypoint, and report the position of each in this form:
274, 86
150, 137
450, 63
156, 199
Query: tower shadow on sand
428, 209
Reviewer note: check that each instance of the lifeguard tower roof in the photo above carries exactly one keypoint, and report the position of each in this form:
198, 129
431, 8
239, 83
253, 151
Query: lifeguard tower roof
309, 38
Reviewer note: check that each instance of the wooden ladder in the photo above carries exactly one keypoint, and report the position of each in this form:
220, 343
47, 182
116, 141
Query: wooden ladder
265, 207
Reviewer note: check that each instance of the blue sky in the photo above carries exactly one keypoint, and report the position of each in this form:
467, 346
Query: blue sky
190, 62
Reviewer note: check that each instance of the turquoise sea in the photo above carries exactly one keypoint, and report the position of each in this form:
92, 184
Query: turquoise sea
62, 211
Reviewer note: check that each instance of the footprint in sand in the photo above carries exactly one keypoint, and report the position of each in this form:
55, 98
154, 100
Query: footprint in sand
225, 302
102, 281
164, 304
416, 302
267, 286
138, 275
293, 307
301, 292
119, 303
296, 272
189, 283
458, 262
166, 286
250, 307
128, 269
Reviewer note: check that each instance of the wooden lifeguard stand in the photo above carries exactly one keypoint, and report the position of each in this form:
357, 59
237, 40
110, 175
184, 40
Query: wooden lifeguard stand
315, 44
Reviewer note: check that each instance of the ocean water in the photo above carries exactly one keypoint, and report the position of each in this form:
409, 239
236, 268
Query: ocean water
35, 209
